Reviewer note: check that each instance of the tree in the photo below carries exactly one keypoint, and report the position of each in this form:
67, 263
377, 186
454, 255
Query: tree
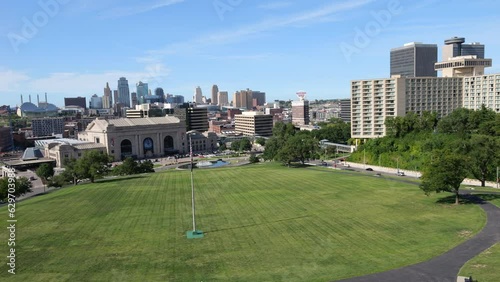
444, 173
261, 141
484, 155
129, 166
45, 172
92, 165
253, 159
235, 145
146, 167
245, 145
22, 186
300, 147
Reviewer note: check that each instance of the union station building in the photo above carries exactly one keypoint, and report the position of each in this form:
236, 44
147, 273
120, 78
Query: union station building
138, 137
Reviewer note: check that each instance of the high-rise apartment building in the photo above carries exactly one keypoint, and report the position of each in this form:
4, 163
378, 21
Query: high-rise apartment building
482, 90
222, 98
215, 92
254, 124
198, 96
414, 59
142, 92
461, 60
372, 101
123, 92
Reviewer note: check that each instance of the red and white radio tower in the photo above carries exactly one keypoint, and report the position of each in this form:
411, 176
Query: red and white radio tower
301, 95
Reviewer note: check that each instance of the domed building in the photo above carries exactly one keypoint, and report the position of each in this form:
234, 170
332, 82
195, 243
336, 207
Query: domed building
31, 110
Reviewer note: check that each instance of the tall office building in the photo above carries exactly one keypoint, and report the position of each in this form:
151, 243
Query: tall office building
161, 95
215, 92
198, 96
115, 97
174, 99
96, 102
78, 101
123, 92
47, 126
345, 110
254, 124
300, 112
134, 99
142, 92
107, 100
259, 97
414, 59
462, 60
6, 139
195, 118
455, 47
222, 98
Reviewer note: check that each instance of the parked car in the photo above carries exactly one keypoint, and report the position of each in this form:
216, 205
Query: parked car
369, 169
400, 173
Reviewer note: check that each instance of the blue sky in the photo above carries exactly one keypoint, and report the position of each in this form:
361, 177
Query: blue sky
73, 47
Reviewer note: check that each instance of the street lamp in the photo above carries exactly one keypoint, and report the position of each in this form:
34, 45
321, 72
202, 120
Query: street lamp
192, 234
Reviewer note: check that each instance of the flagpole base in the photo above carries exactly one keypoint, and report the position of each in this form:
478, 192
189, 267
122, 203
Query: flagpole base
197, 234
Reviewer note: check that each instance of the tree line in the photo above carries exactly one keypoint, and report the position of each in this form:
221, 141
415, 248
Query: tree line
289, 145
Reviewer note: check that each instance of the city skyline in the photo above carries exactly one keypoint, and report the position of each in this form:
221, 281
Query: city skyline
282, 47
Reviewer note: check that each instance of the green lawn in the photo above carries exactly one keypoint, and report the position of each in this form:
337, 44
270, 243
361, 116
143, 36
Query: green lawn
485, 267
263, 222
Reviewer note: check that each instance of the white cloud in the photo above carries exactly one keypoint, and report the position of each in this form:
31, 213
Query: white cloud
11, 80
123, 11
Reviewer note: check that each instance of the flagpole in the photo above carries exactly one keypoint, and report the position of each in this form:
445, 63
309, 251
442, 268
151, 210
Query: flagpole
192, 184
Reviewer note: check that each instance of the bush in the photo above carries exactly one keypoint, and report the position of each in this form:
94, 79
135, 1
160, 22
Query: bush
254, 159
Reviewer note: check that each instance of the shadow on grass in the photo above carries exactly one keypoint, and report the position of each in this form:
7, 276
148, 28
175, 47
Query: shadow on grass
487, 197
463, 200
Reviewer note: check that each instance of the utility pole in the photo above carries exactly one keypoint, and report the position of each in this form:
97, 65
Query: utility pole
498, 179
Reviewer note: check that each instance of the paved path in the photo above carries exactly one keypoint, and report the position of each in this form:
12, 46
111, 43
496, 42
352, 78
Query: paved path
445, 267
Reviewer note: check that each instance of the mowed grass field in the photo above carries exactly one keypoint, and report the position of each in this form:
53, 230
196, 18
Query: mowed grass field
262, 222
484, 267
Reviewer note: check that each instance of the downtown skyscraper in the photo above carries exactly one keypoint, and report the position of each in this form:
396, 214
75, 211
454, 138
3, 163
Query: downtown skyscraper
215, 92
123, 92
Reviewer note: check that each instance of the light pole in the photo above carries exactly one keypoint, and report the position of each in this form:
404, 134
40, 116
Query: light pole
192, 234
